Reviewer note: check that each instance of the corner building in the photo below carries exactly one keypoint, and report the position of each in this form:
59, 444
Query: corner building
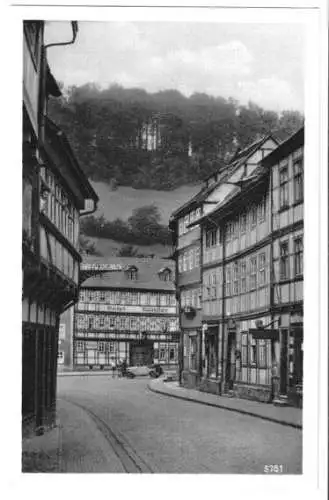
126, 311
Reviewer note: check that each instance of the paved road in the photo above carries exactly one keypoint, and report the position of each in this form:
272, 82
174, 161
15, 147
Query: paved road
154, 433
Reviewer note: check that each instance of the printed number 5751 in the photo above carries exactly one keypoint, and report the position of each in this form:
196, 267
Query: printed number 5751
270, 469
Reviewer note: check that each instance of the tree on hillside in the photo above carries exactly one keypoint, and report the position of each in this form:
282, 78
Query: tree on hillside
127, 251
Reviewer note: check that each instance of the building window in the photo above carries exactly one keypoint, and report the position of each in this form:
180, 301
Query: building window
228, 281
197, 257
284, 193
132, 274
186, 223
90, 322
172, 354
243, 223
253, 273
254, 215
252, 351
180, 264
191, 258
185, 261
162, 354
243, 272
101, 321
181, 227
262, 259
102, 296
298, 180
101, 347
244, 349
235, 278
111, 347
165, 275
229, 231
262, 211
122, 322
112, 322
261, 353
133, 324
298, 256
80, 346
235, 227
284, 261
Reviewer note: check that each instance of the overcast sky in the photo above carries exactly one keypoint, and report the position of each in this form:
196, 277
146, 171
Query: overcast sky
259, 62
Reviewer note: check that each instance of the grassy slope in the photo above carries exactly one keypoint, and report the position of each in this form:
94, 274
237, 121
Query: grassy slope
124, 200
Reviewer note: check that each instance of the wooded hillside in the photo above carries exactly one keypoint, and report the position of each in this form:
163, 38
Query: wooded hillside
163, 140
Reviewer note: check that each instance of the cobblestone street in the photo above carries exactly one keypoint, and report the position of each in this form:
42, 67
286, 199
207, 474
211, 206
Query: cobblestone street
149, 432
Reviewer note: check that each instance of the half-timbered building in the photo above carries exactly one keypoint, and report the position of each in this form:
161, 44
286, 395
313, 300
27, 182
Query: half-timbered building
127, 310
202, 359
55, 193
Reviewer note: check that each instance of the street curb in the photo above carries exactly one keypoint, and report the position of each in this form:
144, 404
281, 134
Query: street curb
77, 374
223, 407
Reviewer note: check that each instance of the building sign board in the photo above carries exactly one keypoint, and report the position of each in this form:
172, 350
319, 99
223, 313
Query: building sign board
101, 267
263, 333
126, 309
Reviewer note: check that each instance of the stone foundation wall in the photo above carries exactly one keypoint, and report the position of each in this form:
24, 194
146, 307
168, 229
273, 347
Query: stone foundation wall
209, 385
190, 380
255, 393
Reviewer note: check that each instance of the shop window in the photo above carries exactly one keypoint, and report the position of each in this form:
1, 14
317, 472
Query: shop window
172, 354
212, 358
252, 351
298, 180
298, 256
261, 353
284, 187
193, 352
162, 353
284, 261
244, 349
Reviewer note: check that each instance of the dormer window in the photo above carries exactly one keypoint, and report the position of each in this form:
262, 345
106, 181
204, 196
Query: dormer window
165, 274
131, 273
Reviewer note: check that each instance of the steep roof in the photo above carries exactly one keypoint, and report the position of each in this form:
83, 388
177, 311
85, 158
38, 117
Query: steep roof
239, 158
293, 142
148, 271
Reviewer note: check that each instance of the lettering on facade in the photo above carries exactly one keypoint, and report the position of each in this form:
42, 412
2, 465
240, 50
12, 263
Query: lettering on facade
127, 309
101, 267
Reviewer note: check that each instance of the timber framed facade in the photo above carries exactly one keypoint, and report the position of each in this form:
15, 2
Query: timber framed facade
250, 231
127, 310
54, 194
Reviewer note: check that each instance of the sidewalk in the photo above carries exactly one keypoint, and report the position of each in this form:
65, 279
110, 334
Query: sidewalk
289, 416
68, 447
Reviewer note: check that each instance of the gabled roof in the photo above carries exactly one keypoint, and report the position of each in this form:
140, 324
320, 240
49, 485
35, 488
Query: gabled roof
293, 142
55, 134
147, 277
239, 159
